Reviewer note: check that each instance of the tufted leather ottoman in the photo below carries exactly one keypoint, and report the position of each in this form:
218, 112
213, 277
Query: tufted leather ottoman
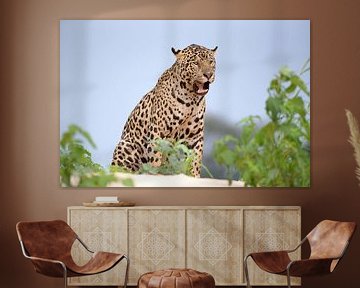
176, 278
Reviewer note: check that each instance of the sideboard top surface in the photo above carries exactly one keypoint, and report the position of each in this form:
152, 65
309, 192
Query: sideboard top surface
193, 207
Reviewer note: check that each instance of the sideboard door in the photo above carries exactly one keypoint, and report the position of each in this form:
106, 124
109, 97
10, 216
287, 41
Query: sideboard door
270, 229
101, 230
156, 240
214, 244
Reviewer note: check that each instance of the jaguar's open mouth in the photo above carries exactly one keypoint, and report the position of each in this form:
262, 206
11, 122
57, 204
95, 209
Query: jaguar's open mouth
201, 88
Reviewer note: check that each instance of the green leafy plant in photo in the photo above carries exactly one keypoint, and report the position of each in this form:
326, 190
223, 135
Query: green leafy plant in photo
77, 169
277, 153
176, 158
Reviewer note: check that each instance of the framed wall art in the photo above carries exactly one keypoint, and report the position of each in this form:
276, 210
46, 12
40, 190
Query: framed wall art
200, 103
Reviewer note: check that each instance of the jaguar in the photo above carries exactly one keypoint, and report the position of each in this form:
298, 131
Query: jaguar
174, 109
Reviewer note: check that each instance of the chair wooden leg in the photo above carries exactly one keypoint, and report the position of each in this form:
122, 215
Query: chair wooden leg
246, 271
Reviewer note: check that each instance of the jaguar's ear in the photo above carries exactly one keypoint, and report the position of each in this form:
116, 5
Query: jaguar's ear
214, 49
177, 53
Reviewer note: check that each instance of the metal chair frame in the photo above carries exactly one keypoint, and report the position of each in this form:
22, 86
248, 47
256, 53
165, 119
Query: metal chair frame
23, 249
288, 276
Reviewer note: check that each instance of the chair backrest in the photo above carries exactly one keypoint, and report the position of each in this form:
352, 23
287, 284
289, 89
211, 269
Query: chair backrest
46, 239
329, 239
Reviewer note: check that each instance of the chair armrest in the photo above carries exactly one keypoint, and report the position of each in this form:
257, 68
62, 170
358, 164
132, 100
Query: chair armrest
309, 267
298, 246
84, 245
45, 260
268, 253
271, 261
281, 251
49, 267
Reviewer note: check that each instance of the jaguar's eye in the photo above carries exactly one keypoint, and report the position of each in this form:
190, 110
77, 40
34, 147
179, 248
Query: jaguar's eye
195, 65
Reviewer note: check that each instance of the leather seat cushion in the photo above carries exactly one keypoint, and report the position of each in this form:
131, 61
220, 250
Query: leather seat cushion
176, 278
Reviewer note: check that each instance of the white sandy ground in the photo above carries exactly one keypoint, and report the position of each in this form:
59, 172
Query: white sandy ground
181, 180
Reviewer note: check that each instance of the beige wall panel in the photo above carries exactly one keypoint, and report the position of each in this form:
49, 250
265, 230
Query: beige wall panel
214, 244
156, 240
267, 230
101, 230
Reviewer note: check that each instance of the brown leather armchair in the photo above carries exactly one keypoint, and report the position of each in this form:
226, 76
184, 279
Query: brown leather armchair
328, 242
48, 245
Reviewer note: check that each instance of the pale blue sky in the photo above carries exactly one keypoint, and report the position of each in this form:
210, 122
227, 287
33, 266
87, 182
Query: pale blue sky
107, 66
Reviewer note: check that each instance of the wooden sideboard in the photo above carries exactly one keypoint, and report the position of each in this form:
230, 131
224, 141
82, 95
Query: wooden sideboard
211, 239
